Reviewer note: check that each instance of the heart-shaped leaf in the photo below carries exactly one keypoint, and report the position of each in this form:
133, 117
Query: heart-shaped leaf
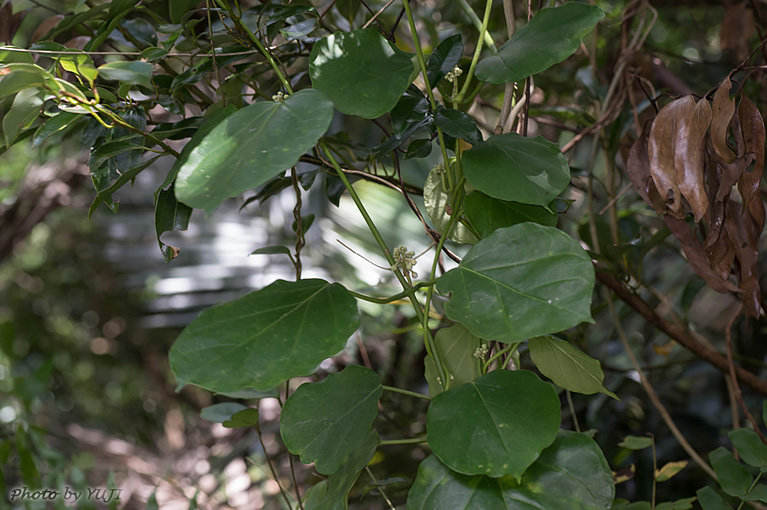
326, 421
516, 168
250, 146
571, 474
568, 367
549, 38
259, 340
488, 214
361, 72
456, 347
507, 417
521, 282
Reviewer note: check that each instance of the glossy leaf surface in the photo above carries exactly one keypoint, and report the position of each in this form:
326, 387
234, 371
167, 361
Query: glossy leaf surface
488, 214
516, 168
326, 421
259, 340
458, 125
444, 58
124, 71
250, 146
507, 417
568, 367
549, 38
571, 474
169, 215
520, 282
456, 346
361, 72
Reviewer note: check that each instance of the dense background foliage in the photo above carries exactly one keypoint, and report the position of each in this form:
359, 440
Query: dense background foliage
90, 309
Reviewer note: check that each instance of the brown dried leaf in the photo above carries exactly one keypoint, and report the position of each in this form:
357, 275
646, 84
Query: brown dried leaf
723, 107
721, 254
662, 149
745, 232
696, 256
638, 169
752, 126
46, 26
9, 22
690, 155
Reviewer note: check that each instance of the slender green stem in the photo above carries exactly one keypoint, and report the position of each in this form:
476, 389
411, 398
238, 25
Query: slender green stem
498, 354
416, 440
406, 392
429, 92
405, 293
118, 120
753, 484
380, 489
478, 24
572, 411
477, 51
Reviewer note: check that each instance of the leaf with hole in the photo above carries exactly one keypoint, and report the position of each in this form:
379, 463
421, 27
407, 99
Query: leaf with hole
520, 282
456, 347
249, 147
571, 474
549, 38
282, 331
509, 417
343, 405
512, 167
568, 367
361, 72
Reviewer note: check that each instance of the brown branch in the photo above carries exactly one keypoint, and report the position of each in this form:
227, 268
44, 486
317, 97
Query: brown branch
679, 333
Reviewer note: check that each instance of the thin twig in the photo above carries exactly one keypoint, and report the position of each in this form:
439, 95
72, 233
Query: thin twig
380, 11
651, 392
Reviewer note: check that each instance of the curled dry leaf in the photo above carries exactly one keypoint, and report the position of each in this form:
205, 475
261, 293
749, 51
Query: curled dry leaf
662, 146
721, 254
724, 108
691, 154
715, 207
638, 169
752, 127
696, 256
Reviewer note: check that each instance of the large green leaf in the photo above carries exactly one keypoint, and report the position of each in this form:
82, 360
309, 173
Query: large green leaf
495, 425
488, 214
333, 493
731, 474
25, 109
17, 77
251, 146
259, 340
456, 347
571, 474
549, 38
437, 201
520, 282
516, 168
326, 421
361, 72
568, 367
751, 448
127, 71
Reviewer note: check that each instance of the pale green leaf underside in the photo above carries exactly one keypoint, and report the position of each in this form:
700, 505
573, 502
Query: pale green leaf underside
456, 346
571, 474
326, 421
520, 282
496, 425
251, 146
259, 340
568, 367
